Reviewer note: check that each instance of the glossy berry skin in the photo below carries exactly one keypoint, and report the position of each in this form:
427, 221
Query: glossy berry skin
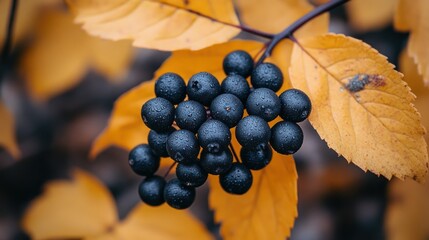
192, 175
171, 87
252, 131
190, 115
151, 190
143, 160
239, 62
295, 105
237, 180
216, 163
214, 136
258, 157
286, 137
158, 140
178, 195
182, 146
236, 85
227, 108
203, 87
263, 102
267, 75
158, 114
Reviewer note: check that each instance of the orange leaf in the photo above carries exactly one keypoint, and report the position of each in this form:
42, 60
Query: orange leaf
361, 106
7, 132
267, 210
71, 209
161, 24
62, 52
366, 15
126, 129
412, 16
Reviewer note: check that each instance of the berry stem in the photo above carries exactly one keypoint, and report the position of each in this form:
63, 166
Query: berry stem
234, 153
288, 32
4, 61
169, 169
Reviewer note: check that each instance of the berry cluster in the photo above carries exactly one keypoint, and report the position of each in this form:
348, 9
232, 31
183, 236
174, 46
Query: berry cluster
181, 128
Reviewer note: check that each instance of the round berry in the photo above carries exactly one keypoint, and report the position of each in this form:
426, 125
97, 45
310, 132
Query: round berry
295, 105
182, 146
236, 85
158, 140
286, 137
227, 108
263, 102
267, 75
191, 175
239, 62
143, 160
190, 115
258, 157
178, 195
158, 114
151, 190
171, 87
216, 163
214, 136
203, 87
252, 131
237, 180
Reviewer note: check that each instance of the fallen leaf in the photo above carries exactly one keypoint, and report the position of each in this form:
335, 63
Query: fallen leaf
412, 16
367, 15
160, 24
275, 15
361, 106
83, 208
61, 53
7, 132
267, 211
126, 129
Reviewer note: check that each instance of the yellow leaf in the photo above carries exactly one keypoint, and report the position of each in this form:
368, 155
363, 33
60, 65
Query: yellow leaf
366, 15
83, 208
267, 210
62, 53
412, 16
361, 106
275, 15
161, 24
126, 129
407, 211
7, 132
71, 209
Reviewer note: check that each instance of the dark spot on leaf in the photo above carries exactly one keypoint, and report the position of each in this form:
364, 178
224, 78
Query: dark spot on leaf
186, 2
359, 81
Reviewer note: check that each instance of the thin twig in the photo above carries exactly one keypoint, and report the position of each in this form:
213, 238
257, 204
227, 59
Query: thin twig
169, 169
234, 153
4, 62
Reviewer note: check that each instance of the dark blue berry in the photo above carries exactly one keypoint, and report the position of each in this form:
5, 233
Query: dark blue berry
191, 175
158, 140
295, 105
216, 163
178, 195
267, 75
214, 136
227, 108
286, 137
263, 102
236, 85
190, 115
143, 160
258, 157
171, 87
151, 190
182, 146
158, 114
239, 62
252, 131
237, 180
203, 87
